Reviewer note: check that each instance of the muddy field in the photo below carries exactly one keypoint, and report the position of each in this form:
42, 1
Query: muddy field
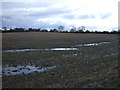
59, 60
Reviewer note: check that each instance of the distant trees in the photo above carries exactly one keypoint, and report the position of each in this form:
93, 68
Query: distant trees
19, 29
105, 32
114, 32
44, 30
60, 28
87, 31
80, 29
53, 30
73, 29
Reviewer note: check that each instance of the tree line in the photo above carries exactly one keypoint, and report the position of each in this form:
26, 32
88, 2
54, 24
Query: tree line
74, 29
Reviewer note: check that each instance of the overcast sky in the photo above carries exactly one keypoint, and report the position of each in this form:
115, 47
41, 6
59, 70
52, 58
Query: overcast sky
93, 14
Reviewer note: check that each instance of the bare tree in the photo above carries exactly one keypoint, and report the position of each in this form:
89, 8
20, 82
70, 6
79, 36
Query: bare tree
73, 29
81, 28
60, 28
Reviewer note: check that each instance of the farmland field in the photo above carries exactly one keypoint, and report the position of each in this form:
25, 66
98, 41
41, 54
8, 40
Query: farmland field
87, 60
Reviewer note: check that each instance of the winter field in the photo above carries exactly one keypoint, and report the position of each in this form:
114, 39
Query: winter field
59, 60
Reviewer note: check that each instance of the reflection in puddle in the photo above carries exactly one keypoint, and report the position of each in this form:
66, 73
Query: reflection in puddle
64, 49
93, 44
21, 50
24, 50
7, 70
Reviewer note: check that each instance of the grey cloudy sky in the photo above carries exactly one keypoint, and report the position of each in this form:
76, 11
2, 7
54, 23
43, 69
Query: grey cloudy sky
94, 14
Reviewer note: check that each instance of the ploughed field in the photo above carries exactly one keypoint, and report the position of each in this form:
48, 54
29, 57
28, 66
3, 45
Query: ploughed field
59, 60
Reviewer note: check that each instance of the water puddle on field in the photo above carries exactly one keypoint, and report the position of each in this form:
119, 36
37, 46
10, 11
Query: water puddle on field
64, 49
9, 70
92, 44
25, 50
22, 50
55, 49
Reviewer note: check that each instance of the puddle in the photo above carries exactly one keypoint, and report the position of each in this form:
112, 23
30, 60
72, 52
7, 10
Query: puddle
25, 50
92, 44
9, 70
22, 50
64, 49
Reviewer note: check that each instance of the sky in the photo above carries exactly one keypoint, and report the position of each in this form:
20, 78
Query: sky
100, 15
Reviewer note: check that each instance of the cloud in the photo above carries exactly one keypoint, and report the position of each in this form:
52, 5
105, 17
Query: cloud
17, 5
104, 16
27, 22
49, 25
86, 16
50, 12
45, 13
69, 17
17, 21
